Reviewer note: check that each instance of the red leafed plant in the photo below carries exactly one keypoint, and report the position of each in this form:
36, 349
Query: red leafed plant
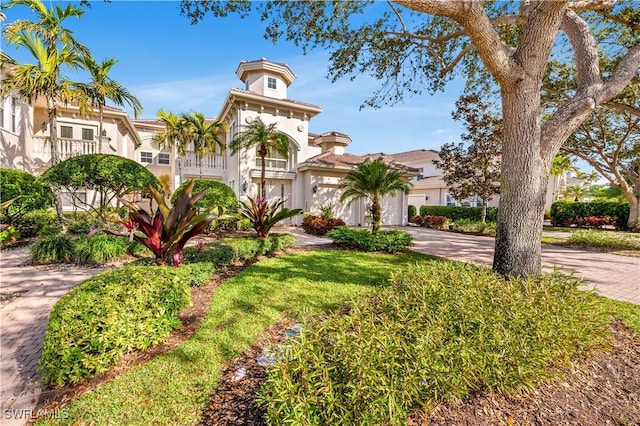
169, 229
263, 215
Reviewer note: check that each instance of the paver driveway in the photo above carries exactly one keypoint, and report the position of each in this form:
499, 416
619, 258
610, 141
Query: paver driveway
617, 277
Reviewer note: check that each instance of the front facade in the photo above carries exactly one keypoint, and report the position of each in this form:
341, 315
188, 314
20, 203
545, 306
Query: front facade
307, 179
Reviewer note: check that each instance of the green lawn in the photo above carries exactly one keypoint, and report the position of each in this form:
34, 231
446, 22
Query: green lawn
173, 388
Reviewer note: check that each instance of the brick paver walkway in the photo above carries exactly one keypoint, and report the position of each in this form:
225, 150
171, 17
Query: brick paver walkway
33, 290
28, 294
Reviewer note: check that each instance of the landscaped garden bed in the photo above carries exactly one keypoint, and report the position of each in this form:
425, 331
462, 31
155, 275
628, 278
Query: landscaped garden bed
173, 387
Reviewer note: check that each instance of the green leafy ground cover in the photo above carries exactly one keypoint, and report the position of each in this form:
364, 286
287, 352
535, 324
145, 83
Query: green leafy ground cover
173, 388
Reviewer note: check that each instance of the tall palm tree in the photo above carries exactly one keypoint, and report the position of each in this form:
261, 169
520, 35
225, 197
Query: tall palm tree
205, 135
174, 136
52, 47
102, 87
267, 140
372, 180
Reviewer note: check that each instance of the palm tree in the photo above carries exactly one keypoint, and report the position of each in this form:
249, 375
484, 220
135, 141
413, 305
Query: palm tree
102, 87
577, 192
372, 180
174, 136
205, 135
267, 140
52, 47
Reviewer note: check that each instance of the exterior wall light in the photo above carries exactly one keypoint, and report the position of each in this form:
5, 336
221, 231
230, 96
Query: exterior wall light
314, 189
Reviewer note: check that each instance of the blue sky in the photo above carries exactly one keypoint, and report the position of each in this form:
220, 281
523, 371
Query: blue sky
169, 63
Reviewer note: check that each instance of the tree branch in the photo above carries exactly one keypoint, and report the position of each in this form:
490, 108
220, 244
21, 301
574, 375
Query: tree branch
585, 51
473, 17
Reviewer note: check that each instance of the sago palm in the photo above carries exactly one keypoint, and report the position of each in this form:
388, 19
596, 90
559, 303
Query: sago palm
266, 139
372, 180
205, 135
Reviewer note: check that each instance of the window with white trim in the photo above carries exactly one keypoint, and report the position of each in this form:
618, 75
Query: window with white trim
66, 132
271, 83
146, 157
87, 134
163, 158
275, 160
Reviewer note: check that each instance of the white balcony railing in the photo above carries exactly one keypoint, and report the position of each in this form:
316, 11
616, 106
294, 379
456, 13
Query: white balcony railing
67, 148
209, 162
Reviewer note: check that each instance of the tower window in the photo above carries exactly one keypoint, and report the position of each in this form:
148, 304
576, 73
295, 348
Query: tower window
271, 83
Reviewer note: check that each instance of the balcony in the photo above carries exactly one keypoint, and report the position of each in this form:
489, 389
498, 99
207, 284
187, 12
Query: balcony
67, 148
212, 165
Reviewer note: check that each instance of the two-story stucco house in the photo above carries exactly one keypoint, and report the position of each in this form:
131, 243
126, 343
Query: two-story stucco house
307, 179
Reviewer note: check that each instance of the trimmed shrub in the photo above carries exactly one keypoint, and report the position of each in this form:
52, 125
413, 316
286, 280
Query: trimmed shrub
411, 211
101, 249
593, 214
604, 239
436, 222
231, 250
219, 195
363, 239
316, 225
52, 249
443, 331
30, 224
81, 225
417, 220
33, 195
474, 227
455, 213
104, 317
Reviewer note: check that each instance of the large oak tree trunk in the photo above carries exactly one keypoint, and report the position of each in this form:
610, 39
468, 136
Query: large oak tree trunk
634, 211
523, 186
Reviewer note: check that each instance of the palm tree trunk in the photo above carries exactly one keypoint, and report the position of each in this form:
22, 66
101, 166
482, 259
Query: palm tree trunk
376, 215
483, 215
263, 190
55, 157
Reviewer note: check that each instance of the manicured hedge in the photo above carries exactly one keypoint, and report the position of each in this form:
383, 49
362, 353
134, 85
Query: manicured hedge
592, 214
96, 322
411, 211
363, 239
30, 224
454, 213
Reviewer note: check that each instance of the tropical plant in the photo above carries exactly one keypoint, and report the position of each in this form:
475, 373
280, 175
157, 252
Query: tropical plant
20, 193
326, 211
52, 47
576, 192
267, 140
102, 87
169, 229
264, 215
204, 135
111, 176
372, 180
